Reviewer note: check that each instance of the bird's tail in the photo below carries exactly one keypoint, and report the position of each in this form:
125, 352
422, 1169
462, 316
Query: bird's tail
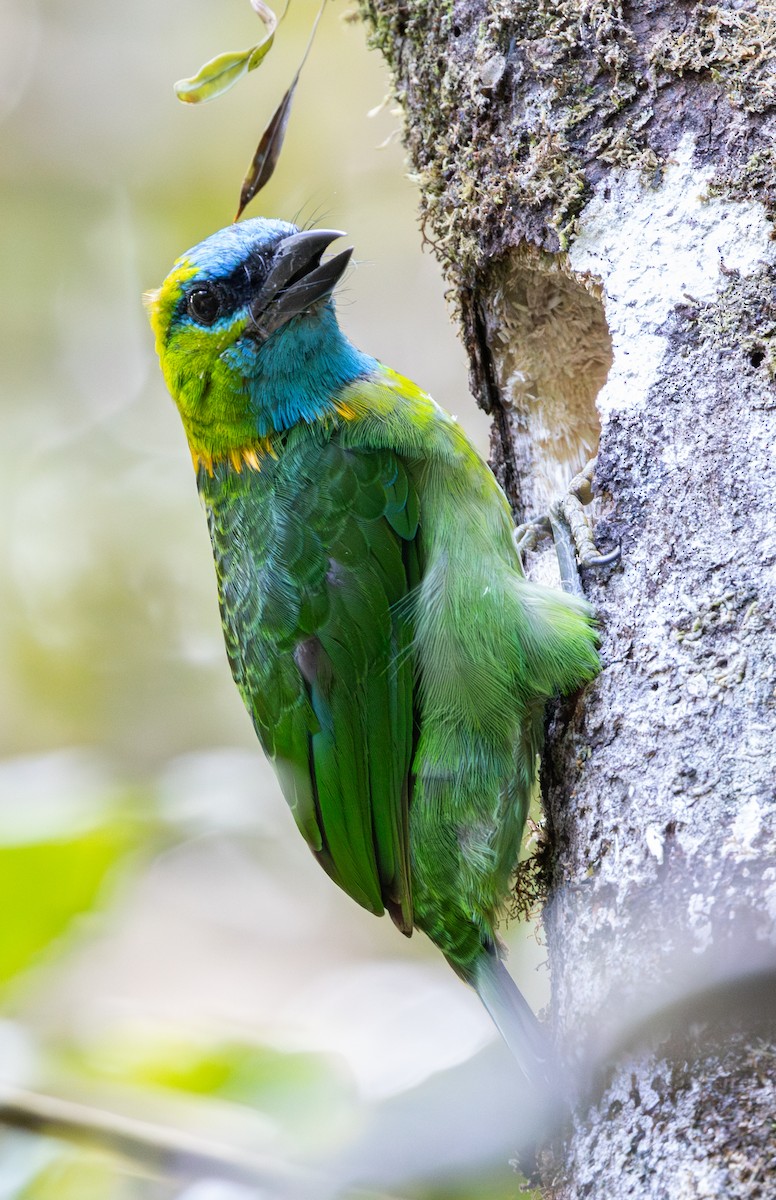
514, 1019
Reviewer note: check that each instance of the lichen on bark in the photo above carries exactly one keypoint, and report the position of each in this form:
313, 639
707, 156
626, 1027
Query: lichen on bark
519, 111
597, 179
518, 107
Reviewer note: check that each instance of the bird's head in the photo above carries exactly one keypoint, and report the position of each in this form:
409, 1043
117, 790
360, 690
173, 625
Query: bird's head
247, 337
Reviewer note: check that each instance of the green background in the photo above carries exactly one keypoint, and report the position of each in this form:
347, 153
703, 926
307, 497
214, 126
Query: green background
168, 948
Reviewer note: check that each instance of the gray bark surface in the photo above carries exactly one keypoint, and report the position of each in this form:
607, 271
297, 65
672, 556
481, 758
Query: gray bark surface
598, 180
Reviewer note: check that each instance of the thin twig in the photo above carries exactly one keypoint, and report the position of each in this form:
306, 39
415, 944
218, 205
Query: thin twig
169, 1151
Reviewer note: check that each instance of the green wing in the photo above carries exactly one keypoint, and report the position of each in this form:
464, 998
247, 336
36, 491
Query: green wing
317, 555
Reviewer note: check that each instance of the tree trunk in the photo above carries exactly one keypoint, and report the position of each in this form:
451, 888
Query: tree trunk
597, 179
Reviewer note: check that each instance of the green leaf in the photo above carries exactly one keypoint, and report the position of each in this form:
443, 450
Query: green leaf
45, 885
265, 12
223, 71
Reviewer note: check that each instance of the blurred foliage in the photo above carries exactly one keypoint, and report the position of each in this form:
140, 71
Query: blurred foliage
301, 1097
89, 1176
44, 886
168, 949
237, 1072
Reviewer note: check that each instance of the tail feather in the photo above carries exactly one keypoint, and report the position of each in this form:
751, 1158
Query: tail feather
514, 1019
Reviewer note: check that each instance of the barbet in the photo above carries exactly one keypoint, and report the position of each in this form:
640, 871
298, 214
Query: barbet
394, 660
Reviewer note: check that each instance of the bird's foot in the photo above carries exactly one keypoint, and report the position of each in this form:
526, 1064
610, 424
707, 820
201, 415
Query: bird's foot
567, 523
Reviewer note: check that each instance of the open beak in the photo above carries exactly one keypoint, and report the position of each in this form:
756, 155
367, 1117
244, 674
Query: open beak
297, 279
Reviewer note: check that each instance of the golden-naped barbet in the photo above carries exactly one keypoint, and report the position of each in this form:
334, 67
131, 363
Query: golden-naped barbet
394, 659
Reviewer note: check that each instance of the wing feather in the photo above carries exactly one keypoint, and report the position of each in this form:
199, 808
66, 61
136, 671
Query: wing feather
317, 555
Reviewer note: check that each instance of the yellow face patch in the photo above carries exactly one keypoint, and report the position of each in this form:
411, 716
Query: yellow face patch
161, 302
210, 400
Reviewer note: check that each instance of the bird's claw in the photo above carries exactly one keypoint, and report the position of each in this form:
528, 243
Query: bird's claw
569, 526
601, 560
527, 536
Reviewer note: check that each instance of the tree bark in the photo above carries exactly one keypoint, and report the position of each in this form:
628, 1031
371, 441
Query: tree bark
598, 179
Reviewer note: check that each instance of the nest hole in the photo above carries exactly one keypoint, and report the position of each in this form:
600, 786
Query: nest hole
552, 351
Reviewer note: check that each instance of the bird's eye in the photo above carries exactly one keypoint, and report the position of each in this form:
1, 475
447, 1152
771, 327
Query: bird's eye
204, 305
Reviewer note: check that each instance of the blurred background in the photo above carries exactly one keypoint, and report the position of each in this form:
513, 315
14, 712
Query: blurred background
169, 950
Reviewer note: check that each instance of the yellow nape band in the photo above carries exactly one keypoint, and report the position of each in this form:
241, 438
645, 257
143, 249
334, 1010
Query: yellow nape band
240, 456
346, 411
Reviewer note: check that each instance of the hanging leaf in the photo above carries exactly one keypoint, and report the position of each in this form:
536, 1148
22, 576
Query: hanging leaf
265, 12
223, 71
267, 152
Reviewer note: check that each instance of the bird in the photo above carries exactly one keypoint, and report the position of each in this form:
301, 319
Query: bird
392, 655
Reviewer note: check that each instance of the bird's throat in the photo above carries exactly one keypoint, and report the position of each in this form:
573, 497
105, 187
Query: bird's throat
253, 394
246, 457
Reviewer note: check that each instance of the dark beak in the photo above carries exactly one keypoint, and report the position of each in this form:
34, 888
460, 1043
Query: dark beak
297, 279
